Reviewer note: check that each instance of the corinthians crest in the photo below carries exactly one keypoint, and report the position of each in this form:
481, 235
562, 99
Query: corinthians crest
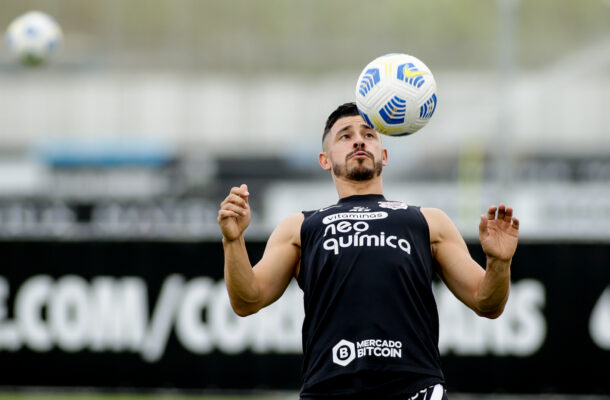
394, 205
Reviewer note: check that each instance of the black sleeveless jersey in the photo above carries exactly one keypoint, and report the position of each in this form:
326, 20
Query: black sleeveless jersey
366, 273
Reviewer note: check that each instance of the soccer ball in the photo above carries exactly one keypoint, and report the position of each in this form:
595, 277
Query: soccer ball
33, 37
396, 94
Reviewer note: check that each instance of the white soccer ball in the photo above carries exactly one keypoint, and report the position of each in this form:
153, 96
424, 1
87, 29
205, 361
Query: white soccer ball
396, 94
33, 37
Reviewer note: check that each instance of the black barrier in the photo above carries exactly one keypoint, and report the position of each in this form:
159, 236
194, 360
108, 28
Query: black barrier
156, 315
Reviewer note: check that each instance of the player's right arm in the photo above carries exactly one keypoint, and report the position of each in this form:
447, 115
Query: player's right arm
251, 289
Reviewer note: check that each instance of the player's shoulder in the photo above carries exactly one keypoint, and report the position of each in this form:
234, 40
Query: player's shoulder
288, 229
435, 217
292, 221
432, 213
439, 223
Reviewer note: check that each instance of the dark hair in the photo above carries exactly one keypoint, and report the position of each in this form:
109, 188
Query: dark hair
344, 110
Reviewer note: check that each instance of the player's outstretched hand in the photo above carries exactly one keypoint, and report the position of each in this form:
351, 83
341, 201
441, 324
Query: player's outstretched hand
234, 213
499, 232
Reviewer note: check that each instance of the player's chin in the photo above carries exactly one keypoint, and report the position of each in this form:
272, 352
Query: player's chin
361, 174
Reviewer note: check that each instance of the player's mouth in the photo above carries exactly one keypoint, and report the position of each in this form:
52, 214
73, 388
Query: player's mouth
360, 154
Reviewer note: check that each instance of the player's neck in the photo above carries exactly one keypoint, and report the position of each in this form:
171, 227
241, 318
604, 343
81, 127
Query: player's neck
346, 188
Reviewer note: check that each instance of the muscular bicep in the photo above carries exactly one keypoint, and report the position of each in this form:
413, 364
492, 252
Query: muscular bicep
278, 264
455, 266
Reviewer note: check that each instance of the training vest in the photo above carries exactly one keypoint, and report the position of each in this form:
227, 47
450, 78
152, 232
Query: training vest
366, 272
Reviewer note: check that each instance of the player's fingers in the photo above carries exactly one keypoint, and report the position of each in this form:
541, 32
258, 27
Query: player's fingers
501, 211
234, 199
241, 191
224, 214
234, 207
246, 194
515, 222
483, 224
509, 214
491, 212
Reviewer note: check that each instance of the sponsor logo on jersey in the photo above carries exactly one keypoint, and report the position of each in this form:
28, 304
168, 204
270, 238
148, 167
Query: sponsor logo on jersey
343, 234
363, 216
359, 209
394, 205
344, 352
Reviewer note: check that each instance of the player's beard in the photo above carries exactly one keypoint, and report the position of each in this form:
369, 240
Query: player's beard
359, 172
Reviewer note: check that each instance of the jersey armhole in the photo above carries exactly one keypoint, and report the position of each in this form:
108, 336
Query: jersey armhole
304, 238
422, 217
306, 214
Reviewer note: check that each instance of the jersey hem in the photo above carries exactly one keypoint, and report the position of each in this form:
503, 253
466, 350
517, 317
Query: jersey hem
421, 371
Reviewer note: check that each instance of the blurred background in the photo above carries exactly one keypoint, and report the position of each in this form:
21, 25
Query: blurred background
115, 154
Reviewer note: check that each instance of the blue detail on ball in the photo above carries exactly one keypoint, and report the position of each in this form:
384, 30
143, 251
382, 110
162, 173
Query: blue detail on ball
366, 119
369, 80
413, 76
31, 31
394, 111
427, 109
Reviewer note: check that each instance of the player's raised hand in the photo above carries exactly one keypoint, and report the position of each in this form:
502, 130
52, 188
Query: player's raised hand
234, 213
499, 232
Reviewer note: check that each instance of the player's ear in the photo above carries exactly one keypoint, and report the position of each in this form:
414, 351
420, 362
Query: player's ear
324, 161
384, 157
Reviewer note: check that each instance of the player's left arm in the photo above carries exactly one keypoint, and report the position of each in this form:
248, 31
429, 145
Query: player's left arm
483, 290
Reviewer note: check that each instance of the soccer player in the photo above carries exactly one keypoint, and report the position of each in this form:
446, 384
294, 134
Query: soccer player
365, 265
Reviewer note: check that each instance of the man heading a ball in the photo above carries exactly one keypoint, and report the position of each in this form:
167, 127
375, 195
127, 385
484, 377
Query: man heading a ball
366, 265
